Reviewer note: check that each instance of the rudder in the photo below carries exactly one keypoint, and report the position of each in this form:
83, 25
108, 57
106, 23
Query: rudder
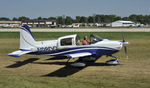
26, 38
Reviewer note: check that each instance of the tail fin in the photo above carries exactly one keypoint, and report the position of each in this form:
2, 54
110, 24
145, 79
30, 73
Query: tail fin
26, 38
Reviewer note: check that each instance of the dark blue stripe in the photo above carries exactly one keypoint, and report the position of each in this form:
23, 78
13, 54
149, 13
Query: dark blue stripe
98, 52
27, 29
66, 49
24, 50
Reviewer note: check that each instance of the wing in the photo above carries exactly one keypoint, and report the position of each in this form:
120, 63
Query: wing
19, 53
79, 55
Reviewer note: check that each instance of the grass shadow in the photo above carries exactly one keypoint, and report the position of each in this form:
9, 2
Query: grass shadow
57, 58
68, 69
64, 72
21, 63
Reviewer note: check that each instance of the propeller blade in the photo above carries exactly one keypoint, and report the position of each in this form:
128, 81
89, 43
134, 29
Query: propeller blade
123, 40
126, 52
125, 47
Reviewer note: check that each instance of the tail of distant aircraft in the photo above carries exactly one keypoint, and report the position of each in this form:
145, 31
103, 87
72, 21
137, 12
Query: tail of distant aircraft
26, 38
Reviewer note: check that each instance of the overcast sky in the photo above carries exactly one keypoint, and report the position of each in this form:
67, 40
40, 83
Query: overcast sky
47, 8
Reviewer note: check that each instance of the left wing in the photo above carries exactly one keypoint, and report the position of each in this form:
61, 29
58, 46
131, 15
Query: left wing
79, 55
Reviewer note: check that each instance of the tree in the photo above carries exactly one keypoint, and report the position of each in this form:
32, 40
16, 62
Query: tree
15, 19
109, 18
146, 19
125, 18
90, 19
113, 18
133, 17
102, 18
97, 18
52, 18
39, 18
4, 19
83, 19
77, 19
23, 18
68, 20
45, 19
117, 18
59, 20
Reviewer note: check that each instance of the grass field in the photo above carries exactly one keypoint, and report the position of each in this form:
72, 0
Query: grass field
31, 71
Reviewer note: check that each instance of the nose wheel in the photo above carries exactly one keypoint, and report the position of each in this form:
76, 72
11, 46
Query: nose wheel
114, 61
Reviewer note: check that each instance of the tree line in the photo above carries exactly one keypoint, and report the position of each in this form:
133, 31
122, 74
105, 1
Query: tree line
98, 18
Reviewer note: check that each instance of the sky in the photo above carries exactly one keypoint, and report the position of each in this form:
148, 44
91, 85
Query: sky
54, 8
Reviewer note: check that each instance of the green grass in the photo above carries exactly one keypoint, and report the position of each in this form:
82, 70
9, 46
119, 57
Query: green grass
131, 73
52, 35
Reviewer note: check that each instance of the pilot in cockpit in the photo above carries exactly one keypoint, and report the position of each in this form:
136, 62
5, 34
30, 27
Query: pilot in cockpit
85, 41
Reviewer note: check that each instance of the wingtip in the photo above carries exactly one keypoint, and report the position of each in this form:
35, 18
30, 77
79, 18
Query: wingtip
13, 55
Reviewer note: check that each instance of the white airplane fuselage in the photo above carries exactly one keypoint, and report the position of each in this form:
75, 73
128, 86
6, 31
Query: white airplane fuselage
69, 46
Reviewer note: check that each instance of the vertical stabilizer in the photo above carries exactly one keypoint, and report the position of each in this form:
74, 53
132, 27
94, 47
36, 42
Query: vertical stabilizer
26, 38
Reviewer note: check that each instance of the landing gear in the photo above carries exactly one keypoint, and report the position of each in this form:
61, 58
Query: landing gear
114, 57
88, 58
78, 63
113, 61
84, 61
68, 60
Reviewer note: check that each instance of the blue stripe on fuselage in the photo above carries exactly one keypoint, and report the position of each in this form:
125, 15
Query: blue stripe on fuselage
97, 50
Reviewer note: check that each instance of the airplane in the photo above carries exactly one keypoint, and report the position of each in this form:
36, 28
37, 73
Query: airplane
70, 47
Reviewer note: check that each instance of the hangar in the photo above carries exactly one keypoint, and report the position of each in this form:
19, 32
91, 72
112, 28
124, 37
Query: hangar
120, 23
40, 23
10, 23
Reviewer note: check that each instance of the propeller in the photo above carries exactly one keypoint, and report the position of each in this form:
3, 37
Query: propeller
124, 45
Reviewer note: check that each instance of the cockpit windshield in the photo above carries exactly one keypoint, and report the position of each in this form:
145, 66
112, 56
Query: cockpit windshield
95, 38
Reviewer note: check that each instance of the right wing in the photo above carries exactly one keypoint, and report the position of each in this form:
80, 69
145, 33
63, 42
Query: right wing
79, 55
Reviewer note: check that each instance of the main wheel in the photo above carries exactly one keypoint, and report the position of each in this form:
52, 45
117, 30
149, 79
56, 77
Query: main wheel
112, 62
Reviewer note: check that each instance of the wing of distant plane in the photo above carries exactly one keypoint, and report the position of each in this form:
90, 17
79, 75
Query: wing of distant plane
19, 53
78, 55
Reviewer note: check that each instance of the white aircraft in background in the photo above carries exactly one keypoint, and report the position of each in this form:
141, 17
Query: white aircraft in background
70, 47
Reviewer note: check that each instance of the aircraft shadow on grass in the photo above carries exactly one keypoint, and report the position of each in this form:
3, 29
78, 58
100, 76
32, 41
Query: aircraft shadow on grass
21, 63
67, 70
56, 58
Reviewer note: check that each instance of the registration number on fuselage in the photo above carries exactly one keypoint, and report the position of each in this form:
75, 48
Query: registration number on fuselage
47, 49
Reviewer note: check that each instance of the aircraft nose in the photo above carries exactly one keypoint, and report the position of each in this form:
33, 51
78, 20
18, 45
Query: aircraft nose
120, 45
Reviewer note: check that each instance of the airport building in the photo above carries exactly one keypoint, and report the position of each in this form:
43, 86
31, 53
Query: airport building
40, 23
7, 24
123, 24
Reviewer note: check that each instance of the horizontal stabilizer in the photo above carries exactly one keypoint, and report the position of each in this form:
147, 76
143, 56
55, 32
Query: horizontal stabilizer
79, 55
19, 53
